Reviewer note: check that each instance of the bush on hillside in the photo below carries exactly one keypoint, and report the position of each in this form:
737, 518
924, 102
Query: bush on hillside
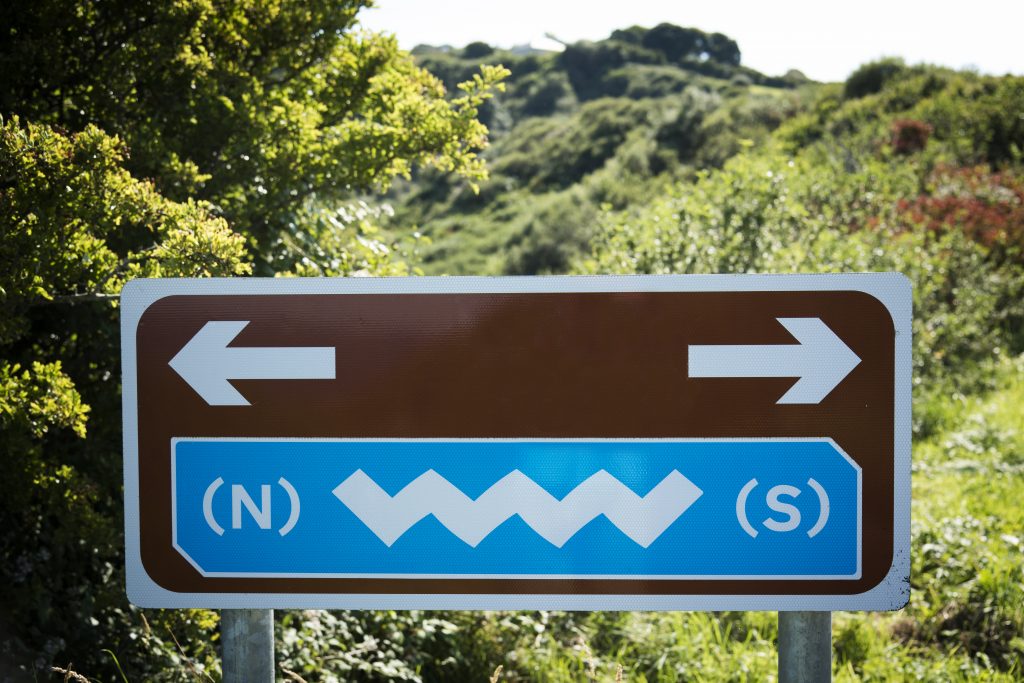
872, 77
909, 136
477, 50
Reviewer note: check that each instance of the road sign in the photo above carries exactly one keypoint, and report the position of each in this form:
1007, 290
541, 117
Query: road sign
669, 442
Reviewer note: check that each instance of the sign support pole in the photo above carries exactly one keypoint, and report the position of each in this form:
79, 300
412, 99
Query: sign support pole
805, 647
247, 636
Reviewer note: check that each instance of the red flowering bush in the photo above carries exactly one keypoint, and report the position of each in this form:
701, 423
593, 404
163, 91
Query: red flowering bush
988, 207
909, 135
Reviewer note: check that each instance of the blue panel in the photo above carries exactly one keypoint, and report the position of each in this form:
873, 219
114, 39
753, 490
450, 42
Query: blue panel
706, 539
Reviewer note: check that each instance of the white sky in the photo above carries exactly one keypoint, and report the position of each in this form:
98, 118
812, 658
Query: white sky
823, 38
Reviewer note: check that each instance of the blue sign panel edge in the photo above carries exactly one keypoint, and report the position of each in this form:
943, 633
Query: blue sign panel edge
720, 507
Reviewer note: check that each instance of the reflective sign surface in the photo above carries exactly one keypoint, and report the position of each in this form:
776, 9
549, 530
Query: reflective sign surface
676, 442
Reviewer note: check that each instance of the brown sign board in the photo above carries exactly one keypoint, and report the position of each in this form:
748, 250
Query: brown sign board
635, 442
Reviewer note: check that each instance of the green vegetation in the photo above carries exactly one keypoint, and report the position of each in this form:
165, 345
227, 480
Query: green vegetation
190, 138
257, 108
199, 138
603, 123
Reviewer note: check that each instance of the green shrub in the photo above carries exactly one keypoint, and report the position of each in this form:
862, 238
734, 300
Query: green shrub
872, 77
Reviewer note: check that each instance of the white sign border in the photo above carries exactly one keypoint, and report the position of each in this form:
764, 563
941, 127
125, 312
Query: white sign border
893, 290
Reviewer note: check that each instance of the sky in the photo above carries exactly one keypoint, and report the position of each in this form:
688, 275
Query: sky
826, 40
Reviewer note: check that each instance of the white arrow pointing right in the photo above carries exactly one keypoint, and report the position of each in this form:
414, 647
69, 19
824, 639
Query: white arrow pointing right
821, 360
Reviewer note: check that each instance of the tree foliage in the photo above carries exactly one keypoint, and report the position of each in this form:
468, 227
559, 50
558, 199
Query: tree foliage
252, 106
188, 138
882, 182
869, 78
76, 225
602, 122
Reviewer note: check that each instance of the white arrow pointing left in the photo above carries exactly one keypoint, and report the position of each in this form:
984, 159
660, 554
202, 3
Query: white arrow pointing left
206, 362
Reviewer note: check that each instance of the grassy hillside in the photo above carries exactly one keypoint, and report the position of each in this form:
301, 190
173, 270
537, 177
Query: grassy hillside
600, 124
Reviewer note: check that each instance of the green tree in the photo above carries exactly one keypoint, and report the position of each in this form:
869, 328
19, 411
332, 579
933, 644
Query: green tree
187, 138
75, 226
871, 77
252, 105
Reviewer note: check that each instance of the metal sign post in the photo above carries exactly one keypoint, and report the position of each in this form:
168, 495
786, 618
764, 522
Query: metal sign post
247, 641
805, 647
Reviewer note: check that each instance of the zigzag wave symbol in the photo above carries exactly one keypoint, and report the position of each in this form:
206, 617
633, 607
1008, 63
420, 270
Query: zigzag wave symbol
643, 519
